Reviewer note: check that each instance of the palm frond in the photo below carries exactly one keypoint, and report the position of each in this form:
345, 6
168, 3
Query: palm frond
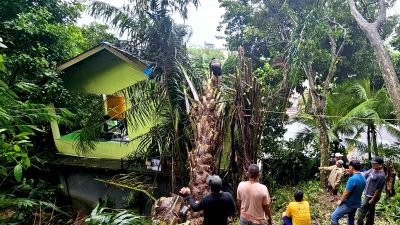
132, 181
362, 89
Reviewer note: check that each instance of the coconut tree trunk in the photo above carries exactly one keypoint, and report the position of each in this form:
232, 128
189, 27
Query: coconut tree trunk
385, 63
373, 139
369, 142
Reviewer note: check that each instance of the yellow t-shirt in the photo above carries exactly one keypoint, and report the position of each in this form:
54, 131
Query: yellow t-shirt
299, 212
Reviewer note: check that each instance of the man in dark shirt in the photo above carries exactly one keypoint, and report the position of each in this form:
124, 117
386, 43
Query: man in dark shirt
375, 184
217, 206
215, 69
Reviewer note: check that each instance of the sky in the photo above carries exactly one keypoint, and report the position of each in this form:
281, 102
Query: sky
204, 21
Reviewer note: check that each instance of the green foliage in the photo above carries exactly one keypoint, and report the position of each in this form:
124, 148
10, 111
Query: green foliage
40, 35
389, 208
22, 209
291, 162
17, 124
229, 66
106, 216
37, 189
282, 195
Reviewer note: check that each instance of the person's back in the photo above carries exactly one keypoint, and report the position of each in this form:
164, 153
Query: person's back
299, 212
217, 207
253, 196
253, 199
356, 184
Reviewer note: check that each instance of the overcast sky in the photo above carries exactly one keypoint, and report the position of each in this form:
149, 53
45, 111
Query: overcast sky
204, 20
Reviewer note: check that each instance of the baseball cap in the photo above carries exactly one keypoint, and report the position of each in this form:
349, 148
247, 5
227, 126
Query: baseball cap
378, 160
337, 154
214, 181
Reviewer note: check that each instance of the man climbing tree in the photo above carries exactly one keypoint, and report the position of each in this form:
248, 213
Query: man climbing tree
215, 69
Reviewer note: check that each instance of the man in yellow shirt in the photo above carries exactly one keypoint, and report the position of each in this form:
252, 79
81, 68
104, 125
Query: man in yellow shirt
298, 212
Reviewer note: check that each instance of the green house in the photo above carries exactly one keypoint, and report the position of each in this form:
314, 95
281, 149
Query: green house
104, 70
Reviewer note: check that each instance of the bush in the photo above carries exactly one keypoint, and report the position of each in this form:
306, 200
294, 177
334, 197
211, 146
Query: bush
289, 165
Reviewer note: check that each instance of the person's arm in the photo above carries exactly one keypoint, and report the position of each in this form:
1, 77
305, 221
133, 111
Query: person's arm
378, 191
239, 199
376, 197
288, 211
366, 173
345, 194
326, 168
231, 204
196, 206
349, 188
239, 206
268, 213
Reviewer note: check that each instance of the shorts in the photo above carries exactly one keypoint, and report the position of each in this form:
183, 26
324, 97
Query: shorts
216, 70
244, 221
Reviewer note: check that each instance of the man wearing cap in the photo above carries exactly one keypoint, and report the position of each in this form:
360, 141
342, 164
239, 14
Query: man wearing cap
335, 176
337, 156
375, 184
217, 206
253, 199
351, 198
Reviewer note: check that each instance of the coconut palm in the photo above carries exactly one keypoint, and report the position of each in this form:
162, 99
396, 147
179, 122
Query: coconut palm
372, 110
352, 107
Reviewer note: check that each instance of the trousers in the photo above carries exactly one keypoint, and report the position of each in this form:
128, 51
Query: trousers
366, 211
342, 210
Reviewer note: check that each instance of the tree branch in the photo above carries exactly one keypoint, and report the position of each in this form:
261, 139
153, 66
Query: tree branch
334, 57
363, 23
382, 14
311, 82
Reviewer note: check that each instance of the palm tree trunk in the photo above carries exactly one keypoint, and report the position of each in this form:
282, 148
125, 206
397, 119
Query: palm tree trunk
374, 143
369, 142
206, 117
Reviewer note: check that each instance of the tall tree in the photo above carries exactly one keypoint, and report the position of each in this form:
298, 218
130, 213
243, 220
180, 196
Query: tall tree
371, 30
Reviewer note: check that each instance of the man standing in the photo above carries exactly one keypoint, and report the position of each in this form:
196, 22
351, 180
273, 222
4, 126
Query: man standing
217, 206
253, 199
215, 69
334, 177
375, 184
351, 198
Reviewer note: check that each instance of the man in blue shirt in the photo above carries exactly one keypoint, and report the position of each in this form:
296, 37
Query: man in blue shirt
351, 198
